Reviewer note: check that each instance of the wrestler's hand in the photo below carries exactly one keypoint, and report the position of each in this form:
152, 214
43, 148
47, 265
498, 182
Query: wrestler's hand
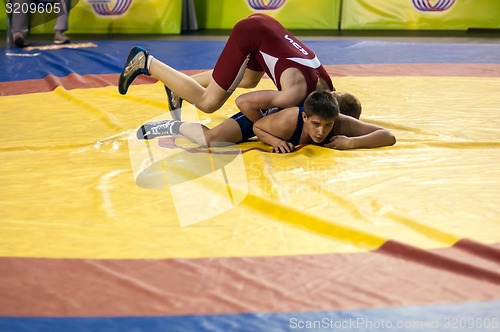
340, 143
283, 147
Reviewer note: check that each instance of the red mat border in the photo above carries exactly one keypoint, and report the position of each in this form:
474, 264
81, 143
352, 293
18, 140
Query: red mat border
74, 81
394, 275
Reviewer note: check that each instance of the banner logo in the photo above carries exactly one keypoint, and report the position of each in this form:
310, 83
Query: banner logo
438, 6
105, 8
266, 5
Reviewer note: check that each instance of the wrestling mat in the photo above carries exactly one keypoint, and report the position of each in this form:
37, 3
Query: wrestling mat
102, 232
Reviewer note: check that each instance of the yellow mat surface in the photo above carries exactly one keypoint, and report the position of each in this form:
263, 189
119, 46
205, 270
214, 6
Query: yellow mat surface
68, 178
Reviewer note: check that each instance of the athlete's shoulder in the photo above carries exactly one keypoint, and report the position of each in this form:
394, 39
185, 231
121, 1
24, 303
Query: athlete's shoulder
285, 119
292, 112
288, 122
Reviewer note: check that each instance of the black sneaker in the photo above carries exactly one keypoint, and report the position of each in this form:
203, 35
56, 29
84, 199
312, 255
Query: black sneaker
19, 39
150, 130
136, 65
174, 103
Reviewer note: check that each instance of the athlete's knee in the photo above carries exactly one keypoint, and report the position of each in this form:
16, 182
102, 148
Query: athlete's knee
214, 137
201, 137
209, 106
210, 137
242, 102
213, 98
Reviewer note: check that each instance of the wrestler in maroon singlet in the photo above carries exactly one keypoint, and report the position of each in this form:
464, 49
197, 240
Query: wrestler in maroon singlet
261, 43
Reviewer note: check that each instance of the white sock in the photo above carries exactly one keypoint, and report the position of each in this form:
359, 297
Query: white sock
148, 62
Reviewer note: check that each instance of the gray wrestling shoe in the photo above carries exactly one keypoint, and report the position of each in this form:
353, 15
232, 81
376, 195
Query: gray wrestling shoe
151, 130
136, 65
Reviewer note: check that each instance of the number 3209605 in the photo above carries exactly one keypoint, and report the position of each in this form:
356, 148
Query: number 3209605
25, 8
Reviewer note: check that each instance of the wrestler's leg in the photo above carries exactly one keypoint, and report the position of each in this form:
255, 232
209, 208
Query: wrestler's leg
250, 79
209, 90
226, 76
203, 78
207, 99
226, 133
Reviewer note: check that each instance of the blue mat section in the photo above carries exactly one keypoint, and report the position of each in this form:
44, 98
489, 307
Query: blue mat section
110, 56
107, 58
478, 316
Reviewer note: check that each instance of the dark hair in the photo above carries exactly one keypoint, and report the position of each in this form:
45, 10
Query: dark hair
322, 104
348, 104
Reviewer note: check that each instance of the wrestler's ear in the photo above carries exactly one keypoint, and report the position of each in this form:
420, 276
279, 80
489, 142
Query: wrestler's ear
304, 116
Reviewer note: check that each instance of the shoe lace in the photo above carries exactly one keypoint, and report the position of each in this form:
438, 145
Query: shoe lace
162, 129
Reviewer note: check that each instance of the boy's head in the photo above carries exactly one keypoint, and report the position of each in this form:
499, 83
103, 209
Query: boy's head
320, 111
322, 104
348, 104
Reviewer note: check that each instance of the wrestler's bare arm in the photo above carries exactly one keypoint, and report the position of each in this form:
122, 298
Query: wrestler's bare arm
354, 134
276, 129
252, 102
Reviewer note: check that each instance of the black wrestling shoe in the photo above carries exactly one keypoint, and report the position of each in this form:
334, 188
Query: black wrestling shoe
174, 103
136, 65
150, 130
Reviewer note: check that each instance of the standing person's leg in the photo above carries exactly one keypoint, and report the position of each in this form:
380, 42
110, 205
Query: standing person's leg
62, 23
20, 22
